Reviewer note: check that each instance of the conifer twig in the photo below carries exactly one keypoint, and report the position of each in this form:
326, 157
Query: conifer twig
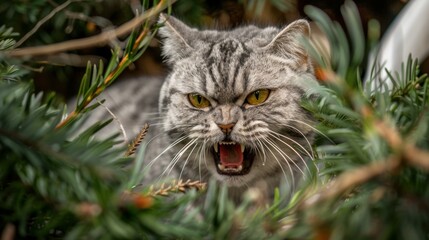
411, 154
137, 141
107, 81
353, 178
417, 157
97, 40
124, 61
403, 153
179, 186
144, 201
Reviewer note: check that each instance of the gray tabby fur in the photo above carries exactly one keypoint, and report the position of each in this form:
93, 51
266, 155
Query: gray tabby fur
224, 67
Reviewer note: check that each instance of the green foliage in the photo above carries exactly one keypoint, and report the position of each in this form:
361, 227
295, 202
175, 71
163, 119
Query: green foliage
8, 71
373, 131
55, 183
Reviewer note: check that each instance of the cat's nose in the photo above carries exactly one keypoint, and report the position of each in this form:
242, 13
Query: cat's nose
226, 128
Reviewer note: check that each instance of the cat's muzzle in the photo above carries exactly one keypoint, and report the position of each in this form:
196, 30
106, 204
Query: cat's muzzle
232, 158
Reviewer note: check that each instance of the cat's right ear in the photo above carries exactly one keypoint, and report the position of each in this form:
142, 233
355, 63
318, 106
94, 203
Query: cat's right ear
288, 44
177, 38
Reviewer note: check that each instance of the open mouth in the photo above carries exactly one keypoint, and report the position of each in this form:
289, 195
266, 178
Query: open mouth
232, 158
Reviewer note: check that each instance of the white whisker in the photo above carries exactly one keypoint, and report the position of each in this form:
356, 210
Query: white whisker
277, 160
285, 156
313, 128
202, 155
177, 157
293, 149
260, 149
303, 135
180, 139
187, 159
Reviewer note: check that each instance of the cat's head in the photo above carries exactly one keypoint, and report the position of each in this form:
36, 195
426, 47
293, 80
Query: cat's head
232, 100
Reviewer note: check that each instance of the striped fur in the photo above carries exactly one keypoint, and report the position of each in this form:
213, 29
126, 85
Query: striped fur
224, 67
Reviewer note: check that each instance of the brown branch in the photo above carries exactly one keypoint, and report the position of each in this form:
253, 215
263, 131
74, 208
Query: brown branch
8, 232
97, 40
390, 134
352, 179
137, 141
179, 186
68, 59
417, 157
146, 200
404, 153
411, 154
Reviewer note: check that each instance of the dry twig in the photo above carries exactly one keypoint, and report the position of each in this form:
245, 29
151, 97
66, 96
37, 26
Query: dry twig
404, 153
102, 38
137, 141
144, 201
8, 232
44, 20
179, 186
352, 179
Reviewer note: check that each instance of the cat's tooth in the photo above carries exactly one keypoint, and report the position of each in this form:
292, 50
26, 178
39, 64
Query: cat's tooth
240, 168
221, 167
242, 147
216, 147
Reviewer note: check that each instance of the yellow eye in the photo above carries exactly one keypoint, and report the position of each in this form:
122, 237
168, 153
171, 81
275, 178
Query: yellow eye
198, 101
257, 97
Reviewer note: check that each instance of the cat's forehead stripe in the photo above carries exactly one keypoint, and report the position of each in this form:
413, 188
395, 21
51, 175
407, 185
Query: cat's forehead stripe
224, 61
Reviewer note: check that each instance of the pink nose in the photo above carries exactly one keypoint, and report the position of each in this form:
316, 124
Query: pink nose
226, 128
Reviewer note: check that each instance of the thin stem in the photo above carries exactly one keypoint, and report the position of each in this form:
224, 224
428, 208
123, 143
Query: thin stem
100, 39
43, 21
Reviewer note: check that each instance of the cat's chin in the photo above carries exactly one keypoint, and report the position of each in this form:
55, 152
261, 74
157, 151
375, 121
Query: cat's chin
232, 159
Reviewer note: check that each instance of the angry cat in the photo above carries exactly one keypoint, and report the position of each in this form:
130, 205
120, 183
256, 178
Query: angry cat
229, 108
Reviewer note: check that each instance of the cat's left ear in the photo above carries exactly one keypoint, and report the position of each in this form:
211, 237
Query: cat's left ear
288, 43
177, 38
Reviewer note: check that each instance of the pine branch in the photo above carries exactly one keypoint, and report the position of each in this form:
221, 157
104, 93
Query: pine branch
131, 54
352, 179
178, 186
404, 153
107, 81
379, 159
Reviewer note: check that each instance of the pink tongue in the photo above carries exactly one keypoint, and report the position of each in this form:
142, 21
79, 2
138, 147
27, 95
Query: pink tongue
230, 155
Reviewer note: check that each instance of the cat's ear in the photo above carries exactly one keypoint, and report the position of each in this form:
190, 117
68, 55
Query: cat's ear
288, 43
177, 38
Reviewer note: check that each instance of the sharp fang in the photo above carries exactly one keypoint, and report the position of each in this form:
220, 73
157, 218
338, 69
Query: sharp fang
216, 147
242, 147
221, 167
